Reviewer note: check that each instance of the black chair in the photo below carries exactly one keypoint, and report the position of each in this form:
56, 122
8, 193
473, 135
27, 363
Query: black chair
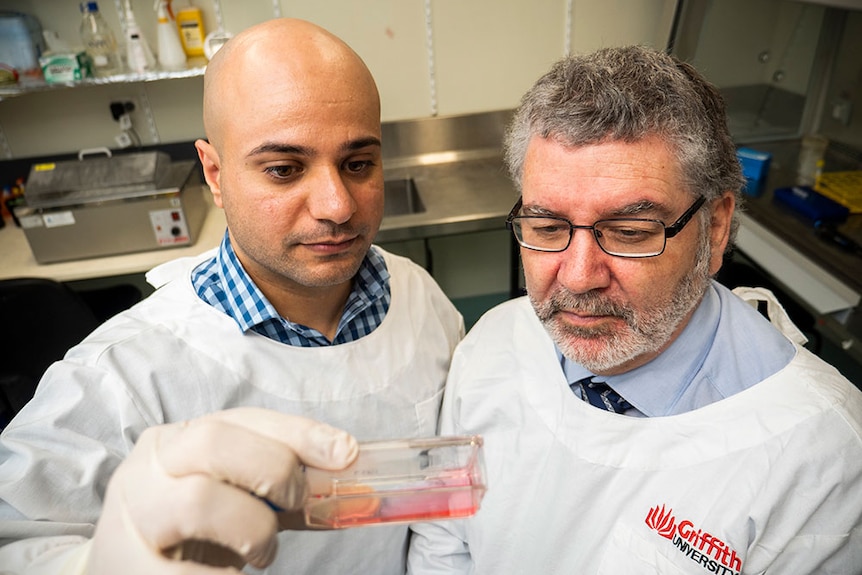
40, 320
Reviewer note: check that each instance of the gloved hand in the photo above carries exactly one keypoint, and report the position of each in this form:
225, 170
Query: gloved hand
195, 491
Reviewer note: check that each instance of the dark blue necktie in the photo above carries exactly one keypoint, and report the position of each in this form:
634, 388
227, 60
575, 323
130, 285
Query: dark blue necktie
599, 394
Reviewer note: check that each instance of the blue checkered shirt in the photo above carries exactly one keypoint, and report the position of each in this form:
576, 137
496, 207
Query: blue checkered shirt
224, 284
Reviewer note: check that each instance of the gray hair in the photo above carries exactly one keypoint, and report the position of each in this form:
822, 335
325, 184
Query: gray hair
628, 94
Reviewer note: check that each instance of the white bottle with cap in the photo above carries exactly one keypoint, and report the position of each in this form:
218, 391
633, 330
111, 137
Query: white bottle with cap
171, 54
138, 53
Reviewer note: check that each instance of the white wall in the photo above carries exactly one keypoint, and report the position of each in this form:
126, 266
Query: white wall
485, 54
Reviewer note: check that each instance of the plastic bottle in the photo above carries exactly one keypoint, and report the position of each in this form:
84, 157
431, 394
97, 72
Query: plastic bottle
171, 54
191, 26
99, 41
138, 53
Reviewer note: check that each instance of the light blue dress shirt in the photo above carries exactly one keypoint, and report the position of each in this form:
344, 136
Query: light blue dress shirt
726, 347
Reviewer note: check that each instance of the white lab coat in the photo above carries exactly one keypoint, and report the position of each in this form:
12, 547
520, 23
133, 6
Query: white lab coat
767, 480
173, 358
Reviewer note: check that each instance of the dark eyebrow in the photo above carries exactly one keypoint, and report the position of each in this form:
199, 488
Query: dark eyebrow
362, 143
293, 149
272, 147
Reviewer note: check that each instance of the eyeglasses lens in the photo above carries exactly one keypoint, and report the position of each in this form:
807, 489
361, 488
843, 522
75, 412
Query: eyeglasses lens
633, 238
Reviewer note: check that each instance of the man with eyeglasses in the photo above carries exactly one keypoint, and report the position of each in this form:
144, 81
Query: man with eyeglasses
638, 416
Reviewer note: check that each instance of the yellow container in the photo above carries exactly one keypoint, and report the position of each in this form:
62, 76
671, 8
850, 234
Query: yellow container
191, 26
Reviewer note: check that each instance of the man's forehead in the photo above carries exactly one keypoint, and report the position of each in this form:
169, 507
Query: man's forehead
607, 179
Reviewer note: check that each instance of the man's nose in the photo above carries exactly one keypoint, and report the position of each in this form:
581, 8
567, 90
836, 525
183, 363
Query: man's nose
330, 198
583, 265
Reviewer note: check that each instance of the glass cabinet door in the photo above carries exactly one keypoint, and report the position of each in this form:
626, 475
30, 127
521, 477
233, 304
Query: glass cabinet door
768, 57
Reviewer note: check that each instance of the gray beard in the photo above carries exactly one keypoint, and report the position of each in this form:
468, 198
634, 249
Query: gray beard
646, 331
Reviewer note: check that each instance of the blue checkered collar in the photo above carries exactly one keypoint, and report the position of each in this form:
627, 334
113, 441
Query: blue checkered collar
247, 305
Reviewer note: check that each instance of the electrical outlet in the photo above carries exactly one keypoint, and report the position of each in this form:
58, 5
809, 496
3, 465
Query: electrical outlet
841, 109
123, 140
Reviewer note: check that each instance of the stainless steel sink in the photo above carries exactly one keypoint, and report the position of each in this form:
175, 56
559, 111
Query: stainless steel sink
401, 198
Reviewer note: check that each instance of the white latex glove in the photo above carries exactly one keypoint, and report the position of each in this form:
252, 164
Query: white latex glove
187, 491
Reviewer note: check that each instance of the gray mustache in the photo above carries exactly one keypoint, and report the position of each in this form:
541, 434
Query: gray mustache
591, 303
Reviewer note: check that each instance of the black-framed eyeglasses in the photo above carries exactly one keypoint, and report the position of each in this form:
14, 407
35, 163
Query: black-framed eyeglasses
621, 237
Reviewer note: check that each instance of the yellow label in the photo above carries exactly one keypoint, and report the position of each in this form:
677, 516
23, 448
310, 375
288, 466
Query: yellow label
191, 28
44, 167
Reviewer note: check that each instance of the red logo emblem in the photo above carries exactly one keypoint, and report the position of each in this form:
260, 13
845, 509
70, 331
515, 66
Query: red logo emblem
700, 546
662, 521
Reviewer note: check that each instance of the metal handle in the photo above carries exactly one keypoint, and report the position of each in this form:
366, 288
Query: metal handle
91, 151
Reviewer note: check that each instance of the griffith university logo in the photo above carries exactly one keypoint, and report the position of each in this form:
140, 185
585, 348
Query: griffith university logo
710, 552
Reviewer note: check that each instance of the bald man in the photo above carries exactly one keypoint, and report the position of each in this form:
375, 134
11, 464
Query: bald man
163, 442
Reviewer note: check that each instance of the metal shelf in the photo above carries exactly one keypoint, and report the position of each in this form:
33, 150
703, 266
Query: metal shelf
31, 85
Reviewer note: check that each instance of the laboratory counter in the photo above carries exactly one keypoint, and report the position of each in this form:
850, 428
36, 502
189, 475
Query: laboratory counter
800, 232
16, 258
443, 176
422, 201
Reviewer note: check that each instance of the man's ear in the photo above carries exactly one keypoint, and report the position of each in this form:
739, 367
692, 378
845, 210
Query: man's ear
211, 165
719, 231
